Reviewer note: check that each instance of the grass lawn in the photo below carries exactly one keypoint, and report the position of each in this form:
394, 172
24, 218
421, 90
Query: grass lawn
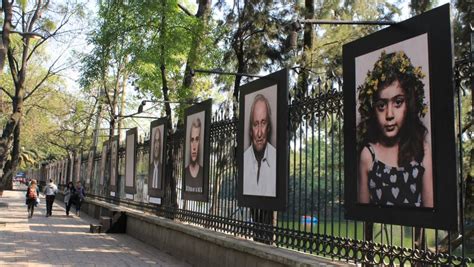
384, 234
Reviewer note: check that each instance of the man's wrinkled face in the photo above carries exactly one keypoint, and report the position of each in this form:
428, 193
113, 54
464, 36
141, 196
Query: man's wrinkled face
195, 138
259, 126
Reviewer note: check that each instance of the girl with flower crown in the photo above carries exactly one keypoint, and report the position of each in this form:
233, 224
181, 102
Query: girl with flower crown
395, 166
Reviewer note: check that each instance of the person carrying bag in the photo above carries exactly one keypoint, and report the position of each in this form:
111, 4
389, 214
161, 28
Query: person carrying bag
32, 197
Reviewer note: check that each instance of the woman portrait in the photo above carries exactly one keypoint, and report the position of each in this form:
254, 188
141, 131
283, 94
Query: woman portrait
393, 143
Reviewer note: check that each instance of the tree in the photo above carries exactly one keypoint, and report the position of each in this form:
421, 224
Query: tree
252, 37
145, 44
104, 68
326, 56
419, 6
34, 20
72, 129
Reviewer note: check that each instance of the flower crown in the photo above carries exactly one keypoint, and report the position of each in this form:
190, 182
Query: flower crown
387, 69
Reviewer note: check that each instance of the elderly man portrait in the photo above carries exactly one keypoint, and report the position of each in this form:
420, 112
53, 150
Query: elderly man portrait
156, 159
260, 157
194, 172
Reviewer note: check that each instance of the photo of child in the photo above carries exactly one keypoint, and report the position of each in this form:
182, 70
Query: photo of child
395, 161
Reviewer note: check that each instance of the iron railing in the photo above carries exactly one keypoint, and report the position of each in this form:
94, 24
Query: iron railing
314, 220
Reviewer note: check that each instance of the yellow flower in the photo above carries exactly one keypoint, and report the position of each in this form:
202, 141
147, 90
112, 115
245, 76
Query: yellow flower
425, 110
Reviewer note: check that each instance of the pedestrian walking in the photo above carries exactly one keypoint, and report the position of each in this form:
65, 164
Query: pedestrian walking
32, 197
50, 192
79, 196
68, 196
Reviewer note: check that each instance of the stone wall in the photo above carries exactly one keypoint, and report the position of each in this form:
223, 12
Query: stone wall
202, 247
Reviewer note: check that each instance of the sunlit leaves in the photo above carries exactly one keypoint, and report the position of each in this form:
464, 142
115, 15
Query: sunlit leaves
48, 24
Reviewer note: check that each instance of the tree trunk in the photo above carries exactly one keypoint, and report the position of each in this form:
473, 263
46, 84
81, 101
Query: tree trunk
12, 127
239, 53
112, 119
308, 42
204, 10
97, 125
122, 99
10, 167
171, 196
7, 25
5, 139
171, 200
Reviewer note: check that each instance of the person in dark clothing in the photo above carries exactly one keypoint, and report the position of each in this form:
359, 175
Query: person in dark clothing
68, 196
50, 192
78, 196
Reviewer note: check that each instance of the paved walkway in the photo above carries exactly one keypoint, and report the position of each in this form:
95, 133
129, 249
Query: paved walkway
65, 241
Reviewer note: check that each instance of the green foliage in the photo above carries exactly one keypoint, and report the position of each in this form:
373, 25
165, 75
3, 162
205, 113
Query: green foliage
48, 24
23, 4
419, 6
139, 38
326, 55
170, 33
252, 34
462, 25
48, 114
316, 166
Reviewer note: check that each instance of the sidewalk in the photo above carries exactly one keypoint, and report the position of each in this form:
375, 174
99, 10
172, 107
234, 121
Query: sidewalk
65, 241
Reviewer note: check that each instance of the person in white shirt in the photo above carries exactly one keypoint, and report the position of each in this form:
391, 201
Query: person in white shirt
260, 157
50, 191
156, 160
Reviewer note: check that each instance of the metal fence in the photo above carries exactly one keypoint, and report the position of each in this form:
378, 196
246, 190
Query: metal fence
314, 220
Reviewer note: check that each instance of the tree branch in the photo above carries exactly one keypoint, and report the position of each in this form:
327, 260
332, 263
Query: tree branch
13, 66
6, 92
185, 10
48, 74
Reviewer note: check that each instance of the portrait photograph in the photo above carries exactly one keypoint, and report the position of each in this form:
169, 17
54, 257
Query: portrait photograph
263, 145
70, 168
63, 171
392, 102
388, 118
114, 150
196, 151
103, 162
77, 167
90, 166
130, 160
156, 173
59, 177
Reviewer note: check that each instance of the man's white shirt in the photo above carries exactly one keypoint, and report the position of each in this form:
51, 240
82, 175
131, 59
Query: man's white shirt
154, 183
51, 189
266, 185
